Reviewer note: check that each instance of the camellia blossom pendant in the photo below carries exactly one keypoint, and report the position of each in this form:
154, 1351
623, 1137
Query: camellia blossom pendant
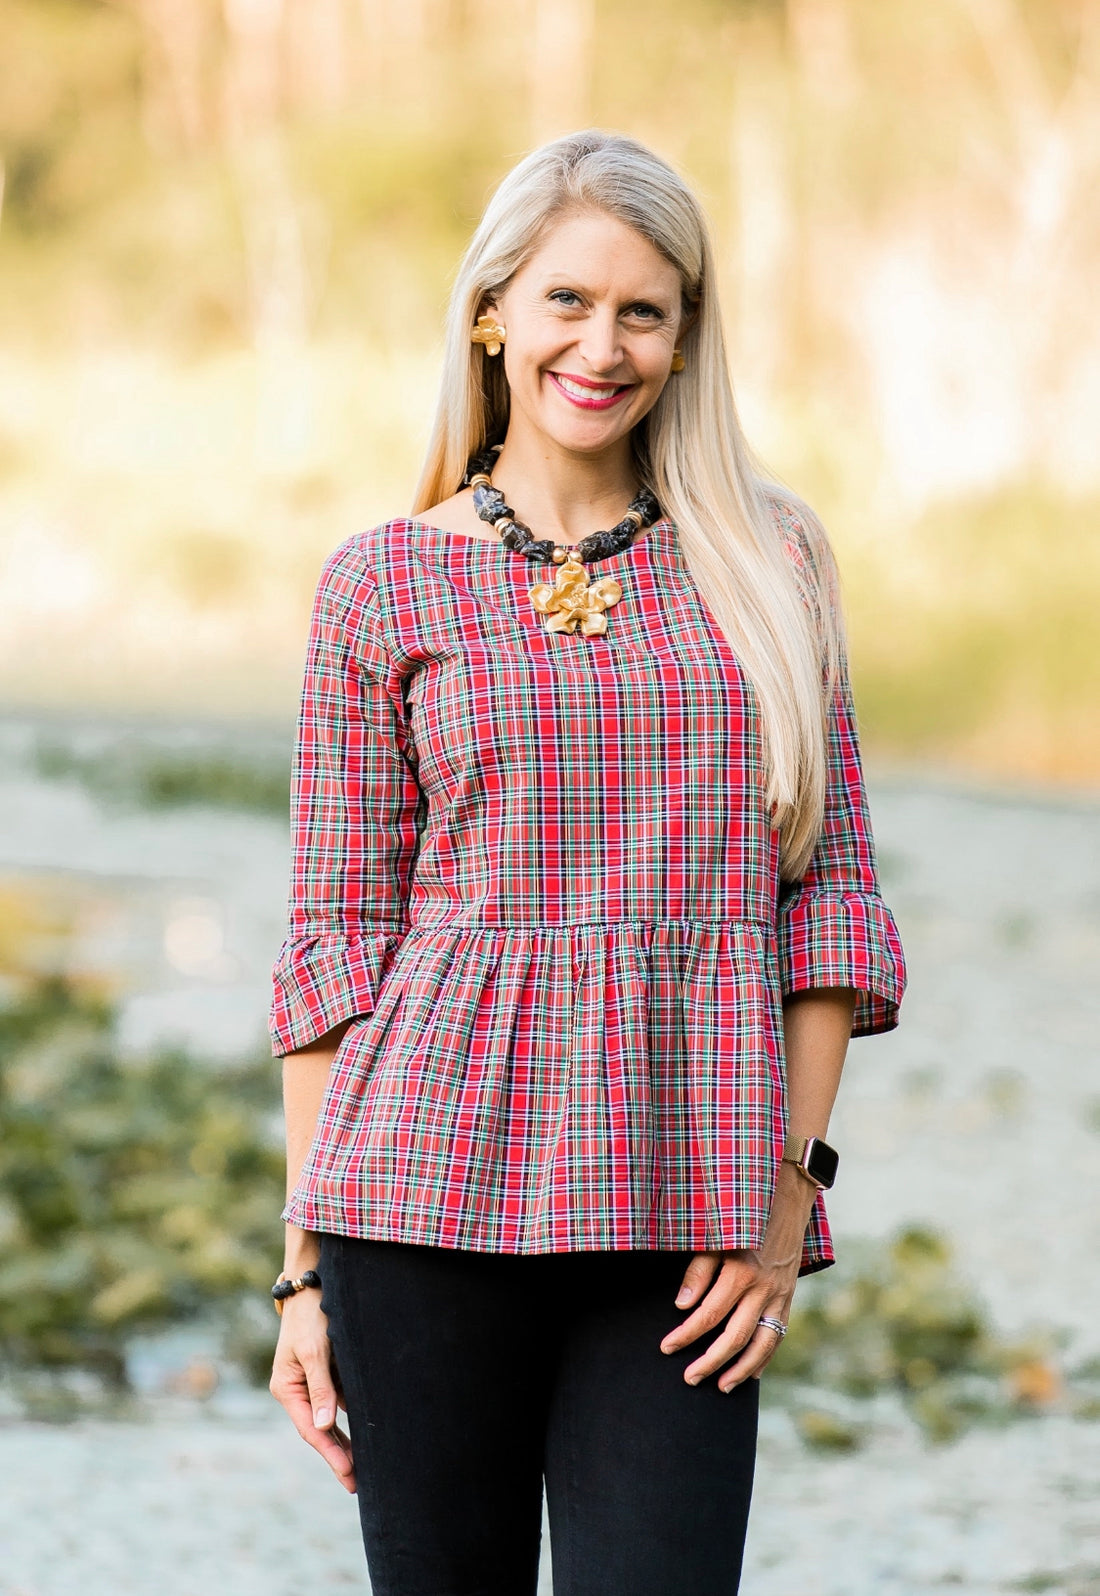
574, 601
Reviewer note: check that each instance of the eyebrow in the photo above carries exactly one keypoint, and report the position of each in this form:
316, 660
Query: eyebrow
565, 279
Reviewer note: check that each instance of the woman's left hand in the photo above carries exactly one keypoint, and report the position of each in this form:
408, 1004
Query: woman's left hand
745, 1284
746, 1287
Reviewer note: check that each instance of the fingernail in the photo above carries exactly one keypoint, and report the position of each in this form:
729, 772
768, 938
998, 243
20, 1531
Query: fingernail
684, 1296
322, 1418
693, 1379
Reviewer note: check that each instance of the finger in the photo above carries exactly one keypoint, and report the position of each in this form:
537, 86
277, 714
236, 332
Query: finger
322, 1391
771, 1351
697, 1277
293, 1395
733, 1281
736, 1336
306, 1365
341, 1400
755, 1358
332, 1444
335, 1447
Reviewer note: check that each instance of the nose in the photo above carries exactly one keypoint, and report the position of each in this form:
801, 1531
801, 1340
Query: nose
600, 345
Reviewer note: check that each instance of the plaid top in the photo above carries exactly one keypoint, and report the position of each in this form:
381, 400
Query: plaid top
537, 870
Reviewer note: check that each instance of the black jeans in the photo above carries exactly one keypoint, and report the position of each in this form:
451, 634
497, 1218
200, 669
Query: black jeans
470, 1377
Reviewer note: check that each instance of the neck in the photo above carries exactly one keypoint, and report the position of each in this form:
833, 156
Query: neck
564, 496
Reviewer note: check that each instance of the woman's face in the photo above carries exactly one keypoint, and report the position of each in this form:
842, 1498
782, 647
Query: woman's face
591, 321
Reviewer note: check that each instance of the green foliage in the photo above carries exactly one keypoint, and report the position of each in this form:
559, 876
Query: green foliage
139, 1194
903, 1321
133, 1194
135, 772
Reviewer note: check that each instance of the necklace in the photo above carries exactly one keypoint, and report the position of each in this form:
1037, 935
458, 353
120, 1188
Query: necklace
572, 601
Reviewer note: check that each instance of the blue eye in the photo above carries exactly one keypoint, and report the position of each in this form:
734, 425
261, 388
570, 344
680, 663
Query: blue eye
564, 296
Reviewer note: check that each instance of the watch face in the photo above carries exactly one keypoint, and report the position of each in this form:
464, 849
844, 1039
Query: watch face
822, 1162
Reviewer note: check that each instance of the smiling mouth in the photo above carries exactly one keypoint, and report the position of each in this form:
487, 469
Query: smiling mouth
590, 395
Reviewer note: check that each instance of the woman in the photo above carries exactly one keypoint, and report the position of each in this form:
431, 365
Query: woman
584, 912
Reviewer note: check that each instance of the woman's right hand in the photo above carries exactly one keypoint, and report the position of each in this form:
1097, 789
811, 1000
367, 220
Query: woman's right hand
302, 1380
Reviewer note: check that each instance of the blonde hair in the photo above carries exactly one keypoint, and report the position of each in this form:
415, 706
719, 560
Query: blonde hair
773, 593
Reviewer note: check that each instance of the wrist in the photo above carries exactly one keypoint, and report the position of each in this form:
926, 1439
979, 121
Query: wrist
814, 1159
286, 1289
302, 1251
792, 1204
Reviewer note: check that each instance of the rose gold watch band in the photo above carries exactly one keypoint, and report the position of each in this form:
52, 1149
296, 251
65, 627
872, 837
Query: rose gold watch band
794, 1152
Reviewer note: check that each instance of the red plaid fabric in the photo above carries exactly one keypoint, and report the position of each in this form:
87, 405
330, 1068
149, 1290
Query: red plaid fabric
537, 872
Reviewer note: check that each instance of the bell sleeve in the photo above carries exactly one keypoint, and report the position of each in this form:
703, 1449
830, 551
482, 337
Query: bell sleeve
834, 929
356, 815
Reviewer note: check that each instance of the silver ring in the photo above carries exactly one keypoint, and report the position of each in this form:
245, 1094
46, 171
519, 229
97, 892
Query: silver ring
774, 1324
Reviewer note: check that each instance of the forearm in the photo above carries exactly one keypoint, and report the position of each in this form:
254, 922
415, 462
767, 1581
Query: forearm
817, 1027
305, 1076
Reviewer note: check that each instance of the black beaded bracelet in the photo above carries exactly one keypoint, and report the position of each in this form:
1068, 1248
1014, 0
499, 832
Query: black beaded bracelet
284, 1288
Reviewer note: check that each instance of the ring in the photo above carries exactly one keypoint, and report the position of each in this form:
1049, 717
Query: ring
774, 1324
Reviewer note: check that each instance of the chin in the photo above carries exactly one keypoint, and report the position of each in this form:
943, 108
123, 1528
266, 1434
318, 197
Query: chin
586, 438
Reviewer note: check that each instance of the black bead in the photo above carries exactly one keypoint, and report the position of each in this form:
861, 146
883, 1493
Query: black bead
282, 1289
646, 506
482, 463
489, 503
541, 549
599, 546
490, 506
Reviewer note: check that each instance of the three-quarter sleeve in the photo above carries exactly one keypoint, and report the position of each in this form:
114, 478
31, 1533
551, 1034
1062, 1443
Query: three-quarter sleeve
834, 927
356, 814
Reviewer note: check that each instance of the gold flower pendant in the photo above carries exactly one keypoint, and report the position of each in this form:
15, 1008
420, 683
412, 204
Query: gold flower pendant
573, 601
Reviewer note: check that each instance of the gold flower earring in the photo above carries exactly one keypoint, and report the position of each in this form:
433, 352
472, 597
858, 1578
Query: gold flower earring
488, 332
678, 361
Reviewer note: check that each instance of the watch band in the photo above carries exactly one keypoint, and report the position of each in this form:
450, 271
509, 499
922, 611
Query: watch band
806, 1151
794, 1150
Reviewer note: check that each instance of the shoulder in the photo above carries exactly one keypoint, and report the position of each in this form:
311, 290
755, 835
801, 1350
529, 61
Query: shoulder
354, 590
804, 538
361, 592
806, 544
361, 563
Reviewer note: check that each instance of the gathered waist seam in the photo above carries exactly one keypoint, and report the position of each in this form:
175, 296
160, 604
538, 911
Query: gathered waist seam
580, 925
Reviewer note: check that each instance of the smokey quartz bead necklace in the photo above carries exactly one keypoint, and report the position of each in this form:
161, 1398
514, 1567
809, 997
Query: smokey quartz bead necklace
572, 602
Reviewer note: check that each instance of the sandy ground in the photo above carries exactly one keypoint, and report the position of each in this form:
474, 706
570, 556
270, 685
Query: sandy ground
979, 1115
239, 1507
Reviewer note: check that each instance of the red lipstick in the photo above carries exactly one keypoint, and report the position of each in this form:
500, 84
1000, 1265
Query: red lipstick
597, 395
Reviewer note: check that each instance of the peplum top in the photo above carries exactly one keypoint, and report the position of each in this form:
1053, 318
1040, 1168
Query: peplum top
536, 871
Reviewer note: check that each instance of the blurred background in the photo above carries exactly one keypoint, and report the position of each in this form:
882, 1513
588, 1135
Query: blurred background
227, 229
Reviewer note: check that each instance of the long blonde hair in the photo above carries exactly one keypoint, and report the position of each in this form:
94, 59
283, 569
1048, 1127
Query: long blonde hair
781, 617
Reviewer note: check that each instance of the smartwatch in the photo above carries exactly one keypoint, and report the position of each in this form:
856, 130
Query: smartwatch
814, 1158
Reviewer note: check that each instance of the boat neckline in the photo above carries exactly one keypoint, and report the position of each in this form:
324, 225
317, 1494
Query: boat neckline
646, 536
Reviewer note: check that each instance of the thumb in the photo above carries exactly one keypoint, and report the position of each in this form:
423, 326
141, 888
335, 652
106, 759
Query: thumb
697, 1276
322, 1396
